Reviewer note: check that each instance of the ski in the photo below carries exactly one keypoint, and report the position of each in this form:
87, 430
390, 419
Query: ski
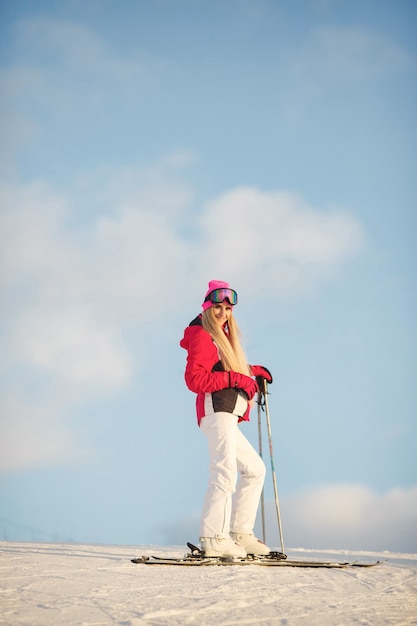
275, 559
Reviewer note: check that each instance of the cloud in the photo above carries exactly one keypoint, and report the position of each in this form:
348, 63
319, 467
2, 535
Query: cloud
34, 435
112, 268
33, 242
73, 47
352, 517
63, 74
275, 239
72, 44
74, 346
349, 54
74, 287
332, 60
339, 517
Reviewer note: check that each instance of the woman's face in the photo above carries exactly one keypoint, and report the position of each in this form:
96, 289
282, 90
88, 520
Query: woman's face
222, 312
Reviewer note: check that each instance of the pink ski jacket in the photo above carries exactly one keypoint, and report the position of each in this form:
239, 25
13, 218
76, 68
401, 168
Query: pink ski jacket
205, 376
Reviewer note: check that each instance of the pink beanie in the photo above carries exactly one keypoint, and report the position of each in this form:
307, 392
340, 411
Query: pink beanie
213, 284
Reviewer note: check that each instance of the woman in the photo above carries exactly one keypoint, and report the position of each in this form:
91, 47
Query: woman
218, 372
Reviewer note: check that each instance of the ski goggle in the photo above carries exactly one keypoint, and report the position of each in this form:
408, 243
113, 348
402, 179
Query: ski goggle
219, 295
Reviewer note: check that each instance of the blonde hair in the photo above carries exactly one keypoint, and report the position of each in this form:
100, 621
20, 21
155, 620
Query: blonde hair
232, 355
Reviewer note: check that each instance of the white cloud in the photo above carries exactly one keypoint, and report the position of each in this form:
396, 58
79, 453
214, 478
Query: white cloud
73, 45
71, 292
344, 53
32, 240
65, 74
74, 347
332, 60
338, 517
76, 45
115, 267
34, 436
352, 517
274, 239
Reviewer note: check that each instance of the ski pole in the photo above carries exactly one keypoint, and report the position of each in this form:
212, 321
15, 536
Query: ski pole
271, 454
260, 454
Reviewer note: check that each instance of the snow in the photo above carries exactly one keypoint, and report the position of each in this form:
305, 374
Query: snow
93, 585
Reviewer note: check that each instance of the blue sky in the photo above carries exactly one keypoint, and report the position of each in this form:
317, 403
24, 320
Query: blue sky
148, 147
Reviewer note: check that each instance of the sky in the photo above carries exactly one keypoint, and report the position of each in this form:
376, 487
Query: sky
148, 147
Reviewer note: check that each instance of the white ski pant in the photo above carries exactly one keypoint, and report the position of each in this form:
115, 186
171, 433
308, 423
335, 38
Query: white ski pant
227, 507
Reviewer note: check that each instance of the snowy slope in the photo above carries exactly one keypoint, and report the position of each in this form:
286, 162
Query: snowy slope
90, 585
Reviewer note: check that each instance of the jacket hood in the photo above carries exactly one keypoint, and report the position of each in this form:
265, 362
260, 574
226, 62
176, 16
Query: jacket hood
189, 333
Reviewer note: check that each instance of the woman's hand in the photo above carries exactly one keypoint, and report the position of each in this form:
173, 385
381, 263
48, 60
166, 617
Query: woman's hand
261, 371
246, 383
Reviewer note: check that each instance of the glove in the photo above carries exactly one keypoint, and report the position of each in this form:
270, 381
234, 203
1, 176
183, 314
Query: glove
246, 383
261, 372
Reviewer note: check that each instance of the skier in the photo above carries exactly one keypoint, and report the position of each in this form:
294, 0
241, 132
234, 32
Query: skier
218, 372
